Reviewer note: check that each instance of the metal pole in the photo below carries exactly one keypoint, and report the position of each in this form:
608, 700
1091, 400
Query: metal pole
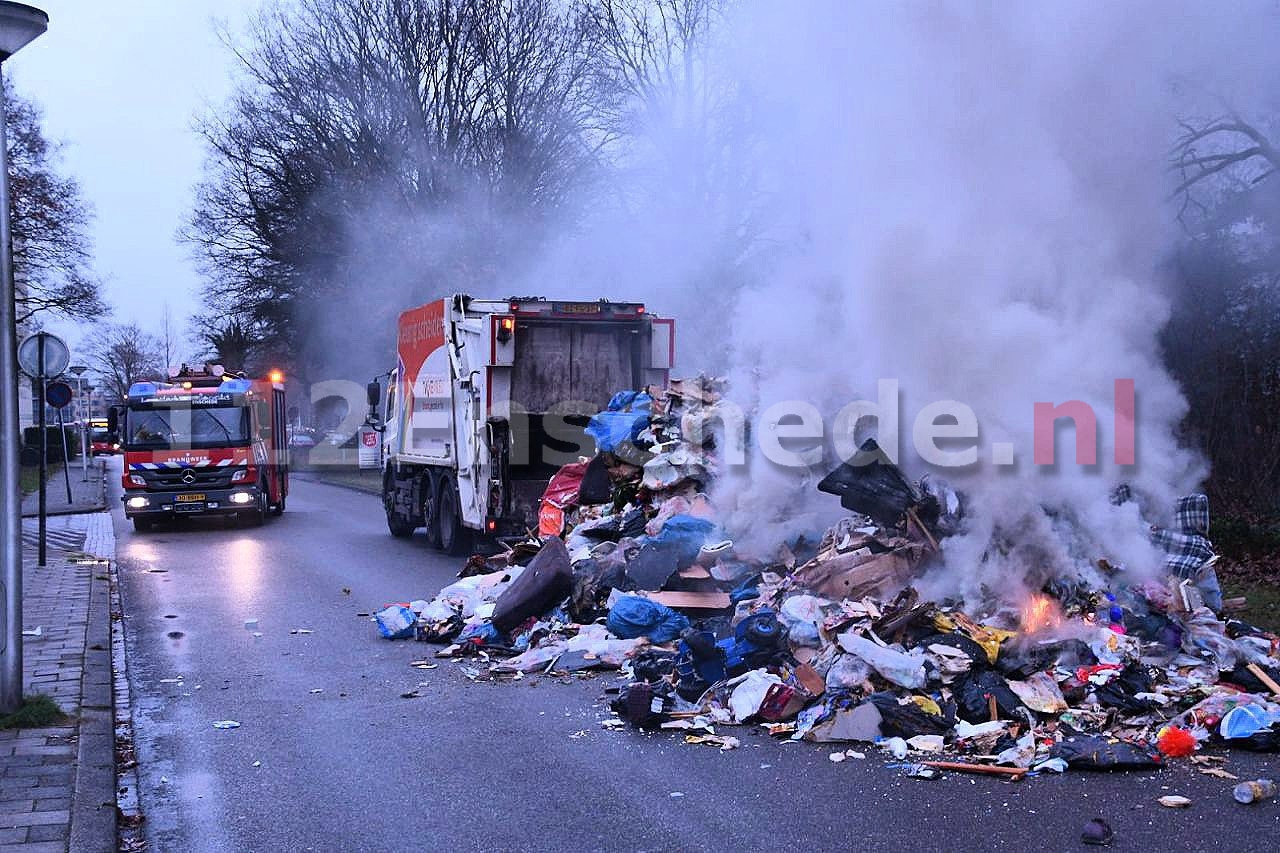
84, 430
10, 458
44, 456
66, 460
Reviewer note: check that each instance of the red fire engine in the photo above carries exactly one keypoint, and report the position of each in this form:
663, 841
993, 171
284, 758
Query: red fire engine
208, 442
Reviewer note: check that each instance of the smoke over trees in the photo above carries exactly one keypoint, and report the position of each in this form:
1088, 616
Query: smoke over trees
390, 147
1223, 342
379, 153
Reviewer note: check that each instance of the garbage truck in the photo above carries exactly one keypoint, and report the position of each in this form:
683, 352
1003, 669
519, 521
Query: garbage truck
489, 397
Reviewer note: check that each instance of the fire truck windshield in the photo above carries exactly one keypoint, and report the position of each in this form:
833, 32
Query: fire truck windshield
182, 427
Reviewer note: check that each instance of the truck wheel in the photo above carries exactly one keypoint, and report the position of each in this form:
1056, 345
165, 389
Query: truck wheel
142, 525
399, 526
431, 508
278, 509
454, 538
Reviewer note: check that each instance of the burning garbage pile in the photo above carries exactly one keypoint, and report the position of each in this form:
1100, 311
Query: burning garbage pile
829, 642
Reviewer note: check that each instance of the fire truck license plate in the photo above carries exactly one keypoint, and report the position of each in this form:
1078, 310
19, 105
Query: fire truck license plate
188, 499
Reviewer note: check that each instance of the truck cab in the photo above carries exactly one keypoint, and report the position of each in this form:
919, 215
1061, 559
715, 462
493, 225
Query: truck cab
208, 442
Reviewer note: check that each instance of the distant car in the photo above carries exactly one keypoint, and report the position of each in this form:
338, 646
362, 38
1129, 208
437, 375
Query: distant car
301, 441
342, 439
100, 443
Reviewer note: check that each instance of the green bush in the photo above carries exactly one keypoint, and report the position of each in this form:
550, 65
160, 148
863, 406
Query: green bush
56, 437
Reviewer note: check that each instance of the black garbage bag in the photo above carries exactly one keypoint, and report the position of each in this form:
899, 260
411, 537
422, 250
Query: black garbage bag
971, 692
957, 641
596, 487
1243, 678
907, 719
636, 703
653, 665
871, 484
633, 522
1019, 662
545, 582
1093, 752
592, 583
1119, 692
653, 565
1264, 740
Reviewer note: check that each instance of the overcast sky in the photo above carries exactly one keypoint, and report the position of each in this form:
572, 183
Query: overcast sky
121, 84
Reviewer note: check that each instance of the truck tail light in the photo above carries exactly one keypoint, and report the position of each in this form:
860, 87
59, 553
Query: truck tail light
506, 326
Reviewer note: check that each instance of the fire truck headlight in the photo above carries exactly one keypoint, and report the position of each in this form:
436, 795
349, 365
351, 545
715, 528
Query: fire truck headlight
241, 498
137, 479
138, 503
238, 476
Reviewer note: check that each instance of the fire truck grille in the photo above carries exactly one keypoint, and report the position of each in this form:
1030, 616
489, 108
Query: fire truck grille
168, 481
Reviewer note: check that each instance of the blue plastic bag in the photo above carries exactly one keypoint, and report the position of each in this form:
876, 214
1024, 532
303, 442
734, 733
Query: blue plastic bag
633, 616
395, 622
685, 534
622, 421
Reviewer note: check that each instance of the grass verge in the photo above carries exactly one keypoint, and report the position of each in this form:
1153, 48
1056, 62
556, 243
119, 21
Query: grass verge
38, 711
29, 476
1263, 607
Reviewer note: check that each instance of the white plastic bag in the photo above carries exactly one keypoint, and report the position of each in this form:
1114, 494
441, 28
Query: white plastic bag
903, 669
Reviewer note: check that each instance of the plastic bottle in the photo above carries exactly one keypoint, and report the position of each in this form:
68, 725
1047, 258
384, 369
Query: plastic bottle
1252, 792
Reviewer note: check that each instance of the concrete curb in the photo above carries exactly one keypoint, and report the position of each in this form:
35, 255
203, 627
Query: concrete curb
127, 793
79, 510
93, 805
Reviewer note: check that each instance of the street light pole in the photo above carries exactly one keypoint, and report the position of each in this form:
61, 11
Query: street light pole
19, 25
82, 415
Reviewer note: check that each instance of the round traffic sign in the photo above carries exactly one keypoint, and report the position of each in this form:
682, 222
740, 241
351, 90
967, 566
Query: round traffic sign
57, 394
56, 355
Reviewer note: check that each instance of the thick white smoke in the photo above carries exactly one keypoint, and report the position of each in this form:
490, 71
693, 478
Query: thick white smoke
974, 197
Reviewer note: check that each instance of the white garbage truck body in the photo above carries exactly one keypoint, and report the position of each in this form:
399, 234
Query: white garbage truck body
490, 397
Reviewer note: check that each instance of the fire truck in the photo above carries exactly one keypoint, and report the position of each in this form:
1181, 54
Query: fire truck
491, 396
207, 442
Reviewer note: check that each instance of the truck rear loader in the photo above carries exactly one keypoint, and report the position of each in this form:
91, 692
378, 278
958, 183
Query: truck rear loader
489, 397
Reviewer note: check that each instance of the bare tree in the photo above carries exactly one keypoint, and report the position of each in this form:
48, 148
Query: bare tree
51, 249
388, 143
1226, 146
169, 353
122, 355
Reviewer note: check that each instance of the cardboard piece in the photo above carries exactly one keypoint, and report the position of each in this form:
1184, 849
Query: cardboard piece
698, 600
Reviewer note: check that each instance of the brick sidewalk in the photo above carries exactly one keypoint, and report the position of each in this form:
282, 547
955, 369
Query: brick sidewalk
57, 783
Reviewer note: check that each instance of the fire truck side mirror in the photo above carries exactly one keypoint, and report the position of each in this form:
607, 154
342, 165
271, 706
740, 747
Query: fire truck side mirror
113, 420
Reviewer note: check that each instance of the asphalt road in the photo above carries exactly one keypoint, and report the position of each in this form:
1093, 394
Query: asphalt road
525, 765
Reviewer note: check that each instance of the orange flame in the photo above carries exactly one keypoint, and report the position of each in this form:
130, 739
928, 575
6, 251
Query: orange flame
1040, 612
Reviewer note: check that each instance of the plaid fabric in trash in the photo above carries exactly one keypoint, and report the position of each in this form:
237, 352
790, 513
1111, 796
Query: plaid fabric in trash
1187, 547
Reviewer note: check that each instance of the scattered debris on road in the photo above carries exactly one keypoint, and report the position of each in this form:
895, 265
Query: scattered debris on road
829, 641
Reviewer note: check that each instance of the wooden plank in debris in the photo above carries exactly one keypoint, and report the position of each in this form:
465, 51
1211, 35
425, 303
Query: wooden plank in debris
1261, 675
